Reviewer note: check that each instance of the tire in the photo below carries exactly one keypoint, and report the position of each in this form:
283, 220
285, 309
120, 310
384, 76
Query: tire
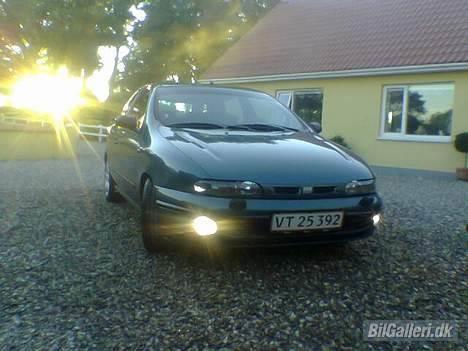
152, 239
109, 185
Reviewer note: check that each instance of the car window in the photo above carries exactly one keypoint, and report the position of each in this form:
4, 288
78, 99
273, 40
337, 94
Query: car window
233, 107
221, 107
129, 103
138, 106
265, 112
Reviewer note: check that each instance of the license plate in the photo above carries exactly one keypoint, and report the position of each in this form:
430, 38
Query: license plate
306, 221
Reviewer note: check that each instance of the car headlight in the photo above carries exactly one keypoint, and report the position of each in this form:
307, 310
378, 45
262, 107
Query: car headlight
227, 188
360, 187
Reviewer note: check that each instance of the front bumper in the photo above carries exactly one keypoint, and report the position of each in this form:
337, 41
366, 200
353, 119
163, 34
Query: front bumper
246, 222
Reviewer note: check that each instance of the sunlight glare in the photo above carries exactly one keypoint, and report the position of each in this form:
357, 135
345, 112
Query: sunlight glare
56, 95
98, 84
3, 100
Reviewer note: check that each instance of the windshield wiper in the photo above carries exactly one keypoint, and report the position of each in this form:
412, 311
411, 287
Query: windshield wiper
238, 127
196, 125
248, 126
262, 127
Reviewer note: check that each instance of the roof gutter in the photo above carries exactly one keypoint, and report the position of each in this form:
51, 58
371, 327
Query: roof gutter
435, 68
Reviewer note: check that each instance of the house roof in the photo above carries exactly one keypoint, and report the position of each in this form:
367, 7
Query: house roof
307, 36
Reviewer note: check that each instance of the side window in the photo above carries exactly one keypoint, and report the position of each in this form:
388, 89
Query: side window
138, 107
129, 103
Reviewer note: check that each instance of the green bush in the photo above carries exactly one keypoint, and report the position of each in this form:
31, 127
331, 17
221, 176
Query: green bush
340, 140
461, 144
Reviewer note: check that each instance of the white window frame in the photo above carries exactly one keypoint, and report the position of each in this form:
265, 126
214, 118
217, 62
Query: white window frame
293, 92
290, 93
402, 136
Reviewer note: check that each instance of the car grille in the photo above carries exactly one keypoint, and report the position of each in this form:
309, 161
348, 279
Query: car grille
286, 190
324, 189
302, 192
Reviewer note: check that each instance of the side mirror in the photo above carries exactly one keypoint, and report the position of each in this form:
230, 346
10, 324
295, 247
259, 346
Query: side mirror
317, 127
126, 121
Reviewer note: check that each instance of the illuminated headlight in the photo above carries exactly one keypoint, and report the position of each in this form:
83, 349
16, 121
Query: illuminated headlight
376, 219
227, 188
204, 226
360, 187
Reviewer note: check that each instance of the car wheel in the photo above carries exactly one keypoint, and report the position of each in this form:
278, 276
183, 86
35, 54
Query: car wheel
152, 239
109, 185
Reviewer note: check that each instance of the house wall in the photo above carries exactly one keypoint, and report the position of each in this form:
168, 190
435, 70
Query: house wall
352, 108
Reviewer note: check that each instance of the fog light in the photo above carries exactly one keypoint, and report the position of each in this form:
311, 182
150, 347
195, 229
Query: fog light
204, 226
376, 219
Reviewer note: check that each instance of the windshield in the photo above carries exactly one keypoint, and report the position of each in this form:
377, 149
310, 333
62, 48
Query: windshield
205, 107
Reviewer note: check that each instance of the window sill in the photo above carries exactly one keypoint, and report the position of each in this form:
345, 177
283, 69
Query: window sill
417, 138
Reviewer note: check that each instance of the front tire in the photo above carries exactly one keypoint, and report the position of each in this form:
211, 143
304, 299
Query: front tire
109, 185
152, 239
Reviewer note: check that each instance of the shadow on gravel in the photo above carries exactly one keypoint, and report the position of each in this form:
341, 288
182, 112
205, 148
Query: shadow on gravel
252, 259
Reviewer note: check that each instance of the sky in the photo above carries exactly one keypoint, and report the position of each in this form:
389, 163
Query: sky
98, 83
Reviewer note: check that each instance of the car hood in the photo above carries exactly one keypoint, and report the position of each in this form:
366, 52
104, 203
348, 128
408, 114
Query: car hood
283, 158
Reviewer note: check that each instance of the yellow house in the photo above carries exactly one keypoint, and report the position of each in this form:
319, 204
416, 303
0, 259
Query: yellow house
389, 76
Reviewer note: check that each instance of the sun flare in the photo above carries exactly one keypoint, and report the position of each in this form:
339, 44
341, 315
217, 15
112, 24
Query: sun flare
53, 94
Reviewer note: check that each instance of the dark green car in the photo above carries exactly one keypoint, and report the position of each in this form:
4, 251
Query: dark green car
234, 166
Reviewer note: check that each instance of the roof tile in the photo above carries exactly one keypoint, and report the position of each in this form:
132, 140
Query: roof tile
300, 36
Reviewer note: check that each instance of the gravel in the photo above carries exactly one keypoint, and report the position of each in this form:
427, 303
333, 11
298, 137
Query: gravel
74, 273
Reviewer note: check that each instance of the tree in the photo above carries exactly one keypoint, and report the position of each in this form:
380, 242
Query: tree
175, 39
182, 38
439, 123
59, 32
416, 107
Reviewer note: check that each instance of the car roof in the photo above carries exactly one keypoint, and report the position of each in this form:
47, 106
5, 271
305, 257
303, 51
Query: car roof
207, 87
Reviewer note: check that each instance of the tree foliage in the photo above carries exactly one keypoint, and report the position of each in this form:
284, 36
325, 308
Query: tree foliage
177, 38
182, 38
59, 32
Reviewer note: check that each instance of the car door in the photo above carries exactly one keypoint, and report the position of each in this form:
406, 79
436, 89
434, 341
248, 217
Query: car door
115, 148
133, 146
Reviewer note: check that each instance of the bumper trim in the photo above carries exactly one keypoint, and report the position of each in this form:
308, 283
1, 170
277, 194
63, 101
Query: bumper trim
171, 206
250, 226
188, 202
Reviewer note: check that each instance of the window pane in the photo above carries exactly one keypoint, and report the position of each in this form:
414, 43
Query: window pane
176, 109
285, 98
139, 106
222, 107
233, 108
265, 112
308, 105
393, 110
430, 109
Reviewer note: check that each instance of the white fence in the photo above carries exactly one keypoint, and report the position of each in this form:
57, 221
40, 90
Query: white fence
11, 119
98, 131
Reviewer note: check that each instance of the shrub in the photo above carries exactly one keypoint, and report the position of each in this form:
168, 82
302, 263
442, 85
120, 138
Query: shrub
461, 144
340, 140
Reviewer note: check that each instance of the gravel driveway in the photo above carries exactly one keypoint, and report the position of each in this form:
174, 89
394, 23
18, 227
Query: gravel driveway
74, 273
